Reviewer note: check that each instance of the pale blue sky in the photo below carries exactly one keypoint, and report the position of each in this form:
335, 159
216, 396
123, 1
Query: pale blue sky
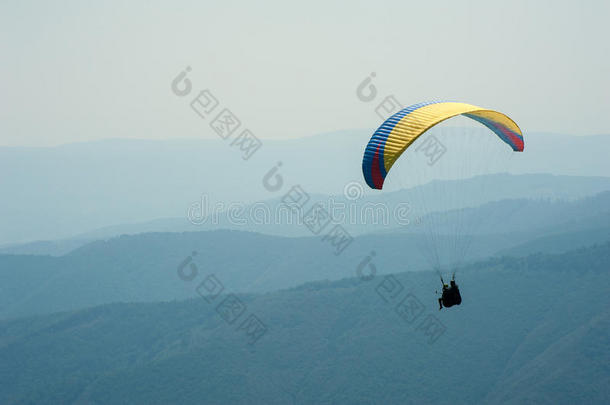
76, 71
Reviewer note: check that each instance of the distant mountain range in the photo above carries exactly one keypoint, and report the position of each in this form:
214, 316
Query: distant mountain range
398, 211
56, 193
529, 330
143, 267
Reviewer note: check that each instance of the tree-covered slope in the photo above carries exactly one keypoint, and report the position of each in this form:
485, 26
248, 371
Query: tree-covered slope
526, 327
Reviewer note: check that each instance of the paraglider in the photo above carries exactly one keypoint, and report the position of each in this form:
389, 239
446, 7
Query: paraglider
450, 295
399, 132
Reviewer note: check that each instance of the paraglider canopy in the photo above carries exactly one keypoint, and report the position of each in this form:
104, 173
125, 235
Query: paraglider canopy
399, 132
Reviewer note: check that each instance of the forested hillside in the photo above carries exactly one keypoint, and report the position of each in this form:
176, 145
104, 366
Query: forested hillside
381, 341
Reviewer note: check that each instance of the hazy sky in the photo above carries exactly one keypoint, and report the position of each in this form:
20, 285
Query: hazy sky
75, 71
